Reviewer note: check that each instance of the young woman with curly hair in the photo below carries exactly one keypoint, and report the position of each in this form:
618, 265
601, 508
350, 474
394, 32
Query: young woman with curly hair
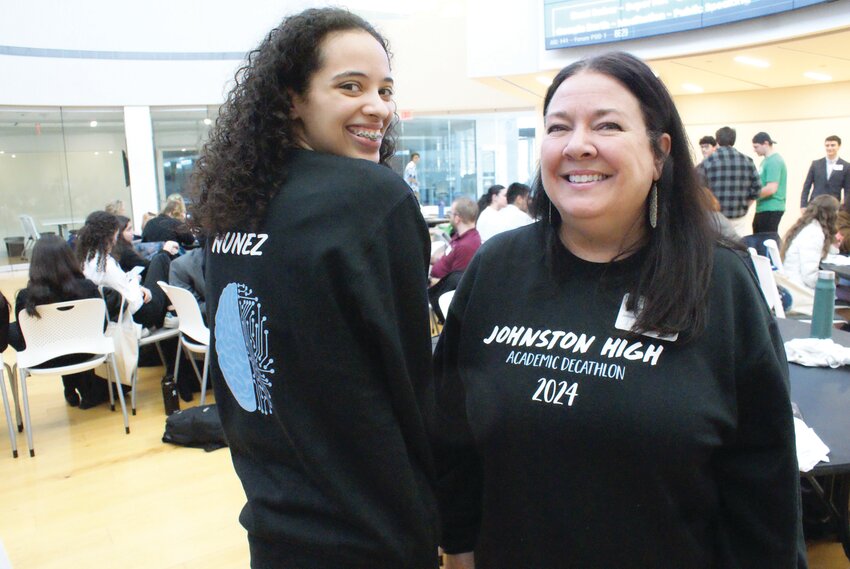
316, 281
95, 241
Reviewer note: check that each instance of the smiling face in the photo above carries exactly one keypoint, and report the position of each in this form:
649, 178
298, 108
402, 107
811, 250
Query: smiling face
596, 160
831, 149
348, 103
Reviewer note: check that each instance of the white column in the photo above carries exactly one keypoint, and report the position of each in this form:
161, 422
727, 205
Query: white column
140, 156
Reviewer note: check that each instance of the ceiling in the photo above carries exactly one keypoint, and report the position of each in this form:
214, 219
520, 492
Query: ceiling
718, 72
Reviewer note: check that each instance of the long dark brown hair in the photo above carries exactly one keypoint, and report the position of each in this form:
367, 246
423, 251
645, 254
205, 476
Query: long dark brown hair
55, 274
674, 277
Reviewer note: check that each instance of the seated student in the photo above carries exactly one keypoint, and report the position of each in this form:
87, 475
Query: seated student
95, 242
170, 224
125, 252
187, 271
805, 245
447, 268
55, 276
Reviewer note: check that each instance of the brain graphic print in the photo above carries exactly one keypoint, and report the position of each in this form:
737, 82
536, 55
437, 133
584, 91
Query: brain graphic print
241, 347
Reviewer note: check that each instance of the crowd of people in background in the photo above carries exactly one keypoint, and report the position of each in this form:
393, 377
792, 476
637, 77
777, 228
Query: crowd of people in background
105, 259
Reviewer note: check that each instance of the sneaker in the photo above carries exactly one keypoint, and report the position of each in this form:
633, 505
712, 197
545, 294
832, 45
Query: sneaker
170, 321
145, 332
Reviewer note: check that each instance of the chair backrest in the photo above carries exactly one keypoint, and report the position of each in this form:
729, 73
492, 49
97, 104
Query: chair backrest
28, 225
191, 322
767, 283
71, 327
445, 301
773, 254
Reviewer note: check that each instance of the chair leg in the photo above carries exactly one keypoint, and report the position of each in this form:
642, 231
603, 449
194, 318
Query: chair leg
12, 438
177, 359
161, 355
109, 377
120, 393
13, 381
204, 380
27, 423
133, 389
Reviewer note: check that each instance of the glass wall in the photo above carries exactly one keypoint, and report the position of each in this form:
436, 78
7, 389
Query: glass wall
179, 135
57, 165
464, 155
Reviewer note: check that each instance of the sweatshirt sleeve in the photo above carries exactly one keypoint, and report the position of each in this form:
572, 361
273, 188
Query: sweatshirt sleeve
459, 471
757, 473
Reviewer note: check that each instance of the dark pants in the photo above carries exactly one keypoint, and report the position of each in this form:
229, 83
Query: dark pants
444, 285
767, 221
152, 313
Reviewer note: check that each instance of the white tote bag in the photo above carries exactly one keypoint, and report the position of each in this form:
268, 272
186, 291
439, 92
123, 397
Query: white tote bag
125, 334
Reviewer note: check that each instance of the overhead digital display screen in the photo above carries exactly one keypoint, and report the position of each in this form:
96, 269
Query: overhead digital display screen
571, 23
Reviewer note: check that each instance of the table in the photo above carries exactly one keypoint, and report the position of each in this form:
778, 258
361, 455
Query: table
62, 224
842, 271
823, 396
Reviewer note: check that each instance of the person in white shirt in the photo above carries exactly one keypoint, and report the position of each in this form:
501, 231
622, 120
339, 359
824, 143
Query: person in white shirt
515, 214
411, 176
810, 240
489, 205
94, 247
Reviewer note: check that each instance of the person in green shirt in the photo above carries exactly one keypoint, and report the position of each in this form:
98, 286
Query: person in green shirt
771, 201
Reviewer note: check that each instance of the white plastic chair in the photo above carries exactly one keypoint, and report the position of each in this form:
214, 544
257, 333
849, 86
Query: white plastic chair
445, 301
12, 438
30, 232
767, 282
773, 254
194, 334
155, 337
64, 328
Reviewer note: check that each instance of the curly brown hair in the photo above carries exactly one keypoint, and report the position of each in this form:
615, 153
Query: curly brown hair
96, 238
244, 162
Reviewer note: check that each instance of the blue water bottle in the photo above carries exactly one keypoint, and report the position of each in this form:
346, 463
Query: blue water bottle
441, 208
824, 308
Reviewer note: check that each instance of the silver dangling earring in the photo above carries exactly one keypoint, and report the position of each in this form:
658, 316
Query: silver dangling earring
653, 206
550, 213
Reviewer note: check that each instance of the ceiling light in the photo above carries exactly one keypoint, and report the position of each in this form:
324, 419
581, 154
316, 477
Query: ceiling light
13, 156
96, 153
2, 152
544, 80
692, 88
182, 150
814, 75
208, 121
754, 62
93, 124
110, 152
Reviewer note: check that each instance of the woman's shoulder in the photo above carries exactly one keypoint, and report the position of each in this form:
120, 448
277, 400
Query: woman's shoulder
341, 171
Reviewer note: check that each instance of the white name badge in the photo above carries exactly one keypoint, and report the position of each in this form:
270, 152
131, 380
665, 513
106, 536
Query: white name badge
626, 322
838, 167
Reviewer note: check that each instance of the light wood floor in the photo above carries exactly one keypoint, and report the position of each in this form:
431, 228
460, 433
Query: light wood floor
94, 497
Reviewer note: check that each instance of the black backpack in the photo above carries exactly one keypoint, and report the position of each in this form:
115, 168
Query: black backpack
197, 427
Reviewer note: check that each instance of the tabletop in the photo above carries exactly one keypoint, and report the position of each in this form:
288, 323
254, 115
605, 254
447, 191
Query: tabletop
823, 396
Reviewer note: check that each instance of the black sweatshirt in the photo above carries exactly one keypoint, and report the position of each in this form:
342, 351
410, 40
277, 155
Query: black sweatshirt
567, 442
323, 375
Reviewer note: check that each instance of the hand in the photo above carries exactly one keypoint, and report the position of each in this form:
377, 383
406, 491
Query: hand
146, 295
171, 247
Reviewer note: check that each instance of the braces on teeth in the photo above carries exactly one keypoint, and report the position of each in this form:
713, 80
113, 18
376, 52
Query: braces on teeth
371, 135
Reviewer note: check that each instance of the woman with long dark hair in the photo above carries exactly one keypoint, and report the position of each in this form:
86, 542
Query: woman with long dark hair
125, 253
316, 293
620, 399
55, 276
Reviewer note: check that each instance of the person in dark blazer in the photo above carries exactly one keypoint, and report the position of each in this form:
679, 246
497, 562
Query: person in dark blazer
829, 175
